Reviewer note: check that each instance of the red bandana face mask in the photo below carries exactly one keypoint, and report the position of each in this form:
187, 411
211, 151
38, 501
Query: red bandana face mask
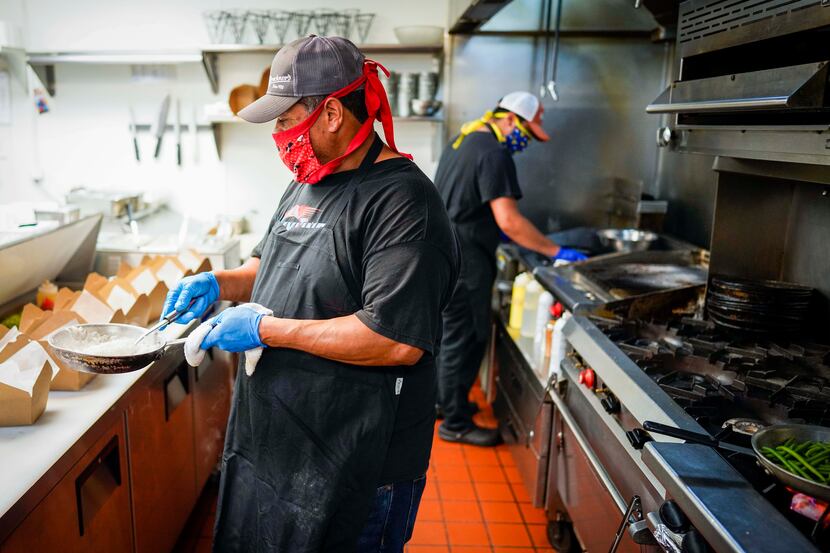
294, 145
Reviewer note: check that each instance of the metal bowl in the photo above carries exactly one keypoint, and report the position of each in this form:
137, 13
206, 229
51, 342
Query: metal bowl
627, 239
776, 435
64, 345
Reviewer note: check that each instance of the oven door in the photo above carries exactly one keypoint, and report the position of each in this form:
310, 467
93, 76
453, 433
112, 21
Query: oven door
524, 413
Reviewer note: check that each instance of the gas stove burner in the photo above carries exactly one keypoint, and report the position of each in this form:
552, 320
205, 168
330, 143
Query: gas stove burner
719, 377
747, 427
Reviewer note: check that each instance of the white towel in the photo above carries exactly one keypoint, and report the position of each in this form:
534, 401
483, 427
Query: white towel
194, 354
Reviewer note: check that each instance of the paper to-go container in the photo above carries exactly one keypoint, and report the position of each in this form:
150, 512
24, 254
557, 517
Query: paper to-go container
25, 374
64, 377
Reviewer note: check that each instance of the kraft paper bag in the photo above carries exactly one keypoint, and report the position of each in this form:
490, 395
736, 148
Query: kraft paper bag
65, 378
25, 374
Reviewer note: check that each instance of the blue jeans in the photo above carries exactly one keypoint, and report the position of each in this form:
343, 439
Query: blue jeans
392, 517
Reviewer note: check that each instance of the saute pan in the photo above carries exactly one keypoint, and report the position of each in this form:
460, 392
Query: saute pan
67, 346
770, 436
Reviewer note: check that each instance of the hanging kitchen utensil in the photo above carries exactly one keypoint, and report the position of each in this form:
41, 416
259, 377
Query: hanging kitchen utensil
551, 85
282, 21
161, 124
194, 135
72, 344
134, 134
547, 8
177, 129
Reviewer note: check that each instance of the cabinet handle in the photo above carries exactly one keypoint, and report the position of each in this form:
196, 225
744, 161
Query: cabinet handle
175, 390
97, 483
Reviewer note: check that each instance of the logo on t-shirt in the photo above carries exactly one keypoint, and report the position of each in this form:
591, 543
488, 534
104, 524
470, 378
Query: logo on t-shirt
300, 216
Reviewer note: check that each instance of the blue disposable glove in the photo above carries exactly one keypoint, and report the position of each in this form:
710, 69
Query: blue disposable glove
201, 289
567, 254
235, 329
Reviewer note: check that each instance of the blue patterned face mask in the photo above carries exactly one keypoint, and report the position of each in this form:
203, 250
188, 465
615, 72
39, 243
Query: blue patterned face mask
516, 141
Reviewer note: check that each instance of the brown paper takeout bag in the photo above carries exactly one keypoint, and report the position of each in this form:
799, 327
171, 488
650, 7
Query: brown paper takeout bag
24, 386
65, 378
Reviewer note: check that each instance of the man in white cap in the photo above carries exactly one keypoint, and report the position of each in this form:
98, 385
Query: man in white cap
476, 178
329, 438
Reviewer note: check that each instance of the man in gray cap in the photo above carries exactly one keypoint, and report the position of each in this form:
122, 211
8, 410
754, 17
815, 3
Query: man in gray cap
329, 439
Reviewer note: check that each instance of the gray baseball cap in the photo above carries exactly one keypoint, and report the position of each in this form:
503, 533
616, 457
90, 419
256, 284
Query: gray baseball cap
310, 66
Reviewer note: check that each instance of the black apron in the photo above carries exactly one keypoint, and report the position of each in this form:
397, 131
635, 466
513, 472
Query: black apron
307, 436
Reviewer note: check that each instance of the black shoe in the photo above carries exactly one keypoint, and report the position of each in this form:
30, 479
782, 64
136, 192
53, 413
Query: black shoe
483, 437
473, 408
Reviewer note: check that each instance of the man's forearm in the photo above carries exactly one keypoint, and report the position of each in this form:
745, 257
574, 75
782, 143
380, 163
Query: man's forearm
525, 234
344, 339
237, 284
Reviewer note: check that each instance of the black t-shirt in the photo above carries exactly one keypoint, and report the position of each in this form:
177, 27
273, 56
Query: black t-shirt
396, 248
480, 170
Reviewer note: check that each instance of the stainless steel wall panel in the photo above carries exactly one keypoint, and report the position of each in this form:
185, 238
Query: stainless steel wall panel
600, 133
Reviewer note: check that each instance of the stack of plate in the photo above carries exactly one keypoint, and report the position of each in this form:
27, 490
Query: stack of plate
764, 306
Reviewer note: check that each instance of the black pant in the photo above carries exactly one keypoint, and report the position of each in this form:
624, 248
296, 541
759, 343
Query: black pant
463, 345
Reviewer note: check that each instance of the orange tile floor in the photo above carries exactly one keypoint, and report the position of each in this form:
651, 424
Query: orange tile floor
474, 502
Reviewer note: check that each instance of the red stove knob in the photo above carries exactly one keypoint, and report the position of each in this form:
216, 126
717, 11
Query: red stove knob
588, 378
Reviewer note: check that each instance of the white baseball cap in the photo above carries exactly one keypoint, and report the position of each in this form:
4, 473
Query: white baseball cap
528, 107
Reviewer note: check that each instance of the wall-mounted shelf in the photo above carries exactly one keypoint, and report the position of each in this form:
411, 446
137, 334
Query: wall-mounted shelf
43, 63
232, 119
366, 49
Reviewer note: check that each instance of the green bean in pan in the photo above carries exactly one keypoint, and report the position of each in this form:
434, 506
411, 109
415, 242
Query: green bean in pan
810, 459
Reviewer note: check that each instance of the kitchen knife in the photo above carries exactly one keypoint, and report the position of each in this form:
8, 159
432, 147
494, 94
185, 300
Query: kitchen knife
194, 131
161, 124
178, 131
134, 133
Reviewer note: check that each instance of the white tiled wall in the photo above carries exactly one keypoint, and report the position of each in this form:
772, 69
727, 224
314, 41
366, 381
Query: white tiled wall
84, 139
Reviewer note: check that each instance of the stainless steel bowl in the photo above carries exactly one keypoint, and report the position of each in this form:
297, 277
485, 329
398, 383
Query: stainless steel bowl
627, 239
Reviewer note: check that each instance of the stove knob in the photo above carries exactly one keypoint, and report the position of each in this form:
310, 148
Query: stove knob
556, 310
610, 404
674, 519
638, 438
693, 542
588, 378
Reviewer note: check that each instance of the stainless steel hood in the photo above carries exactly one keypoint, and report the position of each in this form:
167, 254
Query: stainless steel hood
797, 87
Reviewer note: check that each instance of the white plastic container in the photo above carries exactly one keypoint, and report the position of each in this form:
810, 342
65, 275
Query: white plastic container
517, 300
532, 293
559, 346
542, 318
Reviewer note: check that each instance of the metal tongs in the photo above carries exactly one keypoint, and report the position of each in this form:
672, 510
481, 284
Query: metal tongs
164, 321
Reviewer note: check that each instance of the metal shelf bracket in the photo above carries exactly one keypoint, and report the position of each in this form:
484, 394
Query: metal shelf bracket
210, 64
46, 74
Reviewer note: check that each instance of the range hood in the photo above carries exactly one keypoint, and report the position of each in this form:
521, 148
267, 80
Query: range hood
753, 80
468, 16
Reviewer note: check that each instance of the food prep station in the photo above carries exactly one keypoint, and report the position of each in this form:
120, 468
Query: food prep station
119, 447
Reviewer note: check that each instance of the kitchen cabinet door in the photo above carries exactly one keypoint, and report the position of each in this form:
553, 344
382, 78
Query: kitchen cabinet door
211, 405
160, 440
88, 510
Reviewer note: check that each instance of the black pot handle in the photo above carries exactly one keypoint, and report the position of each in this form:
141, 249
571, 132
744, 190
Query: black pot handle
687, 435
